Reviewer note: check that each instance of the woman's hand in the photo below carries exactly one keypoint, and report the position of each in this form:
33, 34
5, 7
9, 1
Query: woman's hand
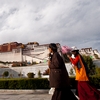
68, 56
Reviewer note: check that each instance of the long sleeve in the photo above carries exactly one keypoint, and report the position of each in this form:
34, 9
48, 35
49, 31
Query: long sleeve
58, 74
75, 60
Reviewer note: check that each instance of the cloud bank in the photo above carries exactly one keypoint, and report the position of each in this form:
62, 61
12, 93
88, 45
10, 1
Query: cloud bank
68, 22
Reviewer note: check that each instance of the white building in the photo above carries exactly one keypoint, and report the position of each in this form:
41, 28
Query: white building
31, 52
90, 52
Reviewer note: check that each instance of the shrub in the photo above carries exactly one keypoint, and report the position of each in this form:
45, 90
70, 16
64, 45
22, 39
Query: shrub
71, 71
39, 74
30, 75
40, 83
5, 74
24, 83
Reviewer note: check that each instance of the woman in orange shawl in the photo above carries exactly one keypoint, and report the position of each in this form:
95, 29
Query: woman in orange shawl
85, 90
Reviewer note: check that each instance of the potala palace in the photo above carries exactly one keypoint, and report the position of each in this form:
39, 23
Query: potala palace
31, 52
10, 52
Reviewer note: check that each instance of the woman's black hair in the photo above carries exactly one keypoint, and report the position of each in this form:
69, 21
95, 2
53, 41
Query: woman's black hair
53, 46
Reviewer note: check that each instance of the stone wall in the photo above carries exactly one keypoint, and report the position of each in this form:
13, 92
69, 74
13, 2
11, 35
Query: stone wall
22, 71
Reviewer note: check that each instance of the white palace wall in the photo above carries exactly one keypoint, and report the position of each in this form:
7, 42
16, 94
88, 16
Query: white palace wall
11, 56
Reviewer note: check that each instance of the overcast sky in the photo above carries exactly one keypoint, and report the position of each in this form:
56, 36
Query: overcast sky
68, 22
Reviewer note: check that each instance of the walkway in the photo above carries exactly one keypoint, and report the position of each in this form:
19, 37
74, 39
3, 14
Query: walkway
24, 95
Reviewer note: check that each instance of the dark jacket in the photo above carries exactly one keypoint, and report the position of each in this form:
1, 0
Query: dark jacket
58, 74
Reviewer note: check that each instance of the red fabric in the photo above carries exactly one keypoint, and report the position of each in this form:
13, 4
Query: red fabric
74, 61
87, 92
81, 74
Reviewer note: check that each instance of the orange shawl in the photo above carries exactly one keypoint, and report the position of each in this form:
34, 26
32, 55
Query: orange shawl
81, 73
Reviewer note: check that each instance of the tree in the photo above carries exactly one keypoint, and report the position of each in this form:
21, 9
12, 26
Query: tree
39, 74
98, 71
90, 65
71, 71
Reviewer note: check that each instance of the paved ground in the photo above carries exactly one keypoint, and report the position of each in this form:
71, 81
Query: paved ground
24, 95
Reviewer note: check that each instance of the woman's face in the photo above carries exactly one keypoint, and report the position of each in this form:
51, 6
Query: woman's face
74, 52
50, 50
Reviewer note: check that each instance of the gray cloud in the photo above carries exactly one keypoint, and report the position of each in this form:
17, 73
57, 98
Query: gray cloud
68, 22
